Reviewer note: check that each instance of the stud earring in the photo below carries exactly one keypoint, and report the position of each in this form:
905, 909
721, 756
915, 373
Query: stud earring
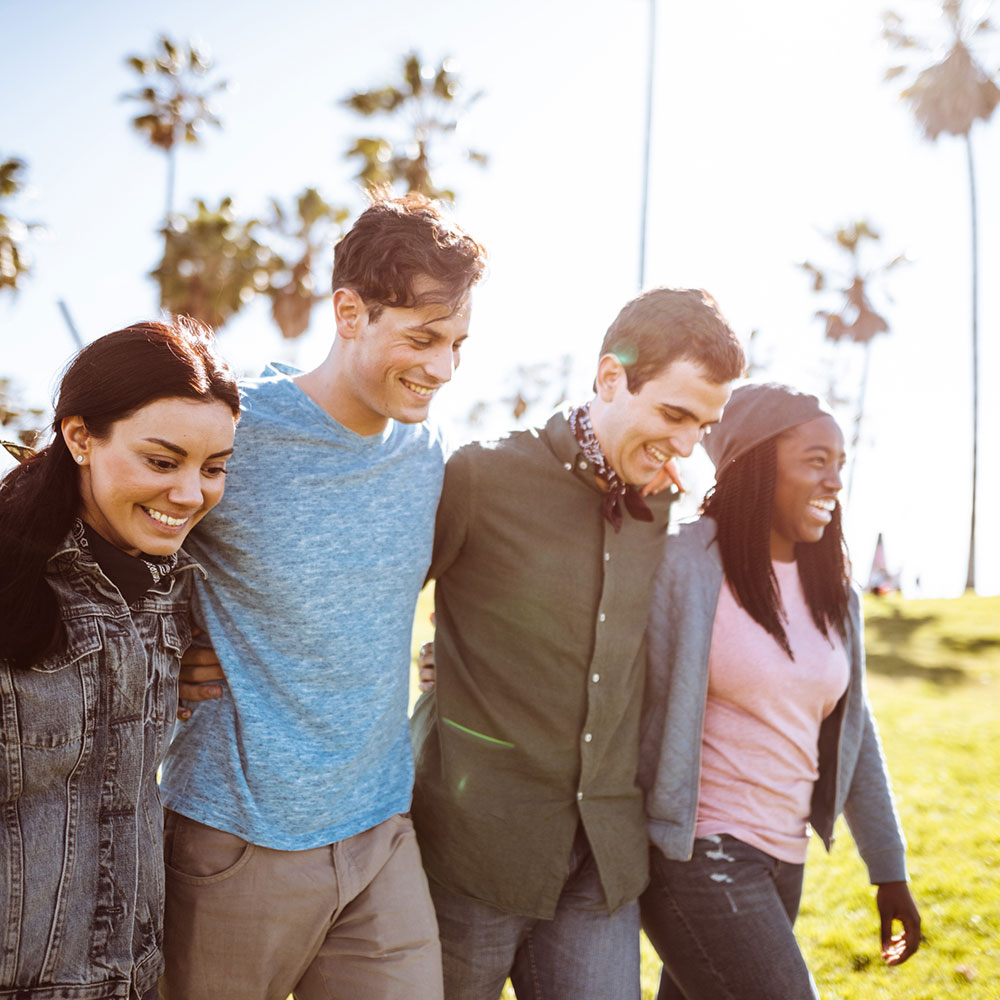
79, 459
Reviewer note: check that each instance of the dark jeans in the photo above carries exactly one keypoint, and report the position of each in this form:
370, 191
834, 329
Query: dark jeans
722, 924
581, 954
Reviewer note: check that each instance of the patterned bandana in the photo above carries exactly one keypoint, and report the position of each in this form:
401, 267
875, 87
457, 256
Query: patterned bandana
618, 492
132, 575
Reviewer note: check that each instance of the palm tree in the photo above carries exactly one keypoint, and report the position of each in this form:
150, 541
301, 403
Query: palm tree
429, 102
177, 98
854, 319
949, 96
213, 264
292, 288
14, 263
17, 419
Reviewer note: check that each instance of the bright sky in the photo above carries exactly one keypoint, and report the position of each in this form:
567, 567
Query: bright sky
772, 126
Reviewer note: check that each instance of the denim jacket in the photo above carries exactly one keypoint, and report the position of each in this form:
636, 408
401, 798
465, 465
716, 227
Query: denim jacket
82, 733
853, 778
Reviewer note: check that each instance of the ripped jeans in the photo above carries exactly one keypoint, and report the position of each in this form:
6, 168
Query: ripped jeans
722, 924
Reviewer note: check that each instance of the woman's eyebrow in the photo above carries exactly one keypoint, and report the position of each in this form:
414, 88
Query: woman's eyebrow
178, 450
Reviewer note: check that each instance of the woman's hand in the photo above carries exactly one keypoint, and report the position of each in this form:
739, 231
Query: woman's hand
200, 679
895, 902
667, 475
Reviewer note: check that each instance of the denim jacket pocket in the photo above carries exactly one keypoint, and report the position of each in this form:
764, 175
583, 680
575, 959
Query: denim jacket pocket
176, 634
173, 636
52, 694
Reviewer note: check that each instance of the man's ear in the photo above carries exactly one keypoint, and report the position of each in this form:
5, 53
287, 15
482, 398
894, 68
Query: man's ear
611, 377
349, 311
77, 438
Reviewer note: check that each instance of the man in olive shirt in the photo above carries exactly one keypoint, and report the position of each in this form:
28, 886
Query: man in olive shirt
530, 822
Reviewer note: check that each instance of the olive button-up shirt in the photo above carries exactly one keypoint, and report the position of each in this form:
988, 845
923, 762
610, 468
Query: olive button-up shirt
533, 724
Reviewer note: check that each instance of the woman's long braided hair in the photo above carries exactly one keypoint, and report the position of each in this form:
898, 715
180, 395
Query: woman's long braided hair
740, 504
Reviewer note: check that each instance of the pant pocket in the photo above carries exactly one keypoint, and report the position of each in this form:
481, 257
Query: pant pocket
195, 852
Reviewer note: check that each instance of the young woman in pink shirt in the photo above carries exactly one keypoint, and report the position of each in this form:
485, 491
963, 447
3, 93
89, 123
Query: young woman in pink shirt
757, 723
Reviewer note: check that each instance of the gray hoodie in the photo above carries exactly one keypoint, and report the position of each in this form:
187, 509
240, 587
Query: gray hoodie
852, 774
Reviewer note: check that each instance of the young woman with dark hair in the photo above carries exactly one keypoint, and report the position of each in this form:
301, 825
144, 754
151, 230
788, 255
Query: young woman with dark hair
757, 722
94, 598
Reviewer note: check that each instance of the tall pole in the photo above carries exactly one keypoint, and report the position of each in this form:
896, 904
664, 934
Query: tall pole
970, 576
73, 332
649, 137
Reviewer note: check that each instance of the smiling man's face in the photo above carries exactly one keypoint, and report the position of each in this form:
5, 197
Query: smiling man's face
664, 419
399, 361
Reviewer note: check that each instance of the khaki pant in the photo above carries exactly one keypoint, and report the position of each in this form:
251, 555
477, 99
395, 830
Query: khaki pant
350, 921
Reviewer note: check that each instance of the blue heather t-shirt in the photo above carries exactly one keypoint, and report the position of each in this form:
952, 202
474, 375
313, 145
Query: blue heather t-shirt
315, 558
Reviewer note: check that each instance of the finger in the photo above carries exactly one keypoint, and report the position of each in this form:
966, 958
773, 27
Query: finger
910, 937
183, 713
197, 655
657, 484
902, 946
201, 673
198, 692
668, 474
894, 951
670, 468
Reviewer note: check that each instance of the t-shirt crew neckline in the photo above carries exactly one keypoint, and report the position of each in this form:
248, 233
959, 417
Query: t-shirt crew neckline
287, 375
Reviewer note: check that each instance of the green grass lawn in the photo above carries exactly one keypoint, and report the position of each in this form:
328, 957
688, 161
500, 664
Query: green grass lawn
934, 677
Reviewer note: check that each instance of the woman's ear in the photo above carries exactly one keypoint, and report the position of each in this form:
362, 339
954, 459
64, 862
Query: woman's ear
610, 377
77, 438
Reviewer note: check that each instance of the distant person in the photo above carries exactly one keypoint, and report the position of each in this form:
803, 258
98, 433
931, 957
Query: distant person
530, 820
94, 615
292, 866
757, 720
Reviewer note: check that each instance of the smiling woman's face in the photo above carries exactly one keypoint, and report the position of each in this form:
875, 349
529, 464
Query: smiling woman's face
156, 474
809, 461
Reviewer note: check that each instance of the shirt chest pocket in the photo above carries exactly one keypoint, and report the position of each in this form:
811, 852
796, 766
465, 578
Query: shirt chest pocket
54, 697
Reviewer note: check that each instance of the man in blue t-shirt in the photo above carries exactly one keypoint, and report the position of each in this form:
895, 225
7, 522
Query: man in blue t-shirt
291, 864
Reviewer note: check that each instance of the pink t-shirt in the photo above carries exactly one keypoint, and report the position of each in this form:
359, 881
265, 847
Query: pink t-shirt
759, 750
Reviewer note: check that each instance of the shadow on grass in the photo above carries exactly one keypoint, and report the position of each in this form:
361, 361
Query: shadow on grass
895, 630
895, 665
894, 626
978, 645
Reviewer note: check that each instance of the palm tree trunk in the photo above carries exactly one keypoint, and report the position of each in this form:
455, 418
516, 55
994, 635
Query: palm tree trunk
171, 161
856, 441
970, 578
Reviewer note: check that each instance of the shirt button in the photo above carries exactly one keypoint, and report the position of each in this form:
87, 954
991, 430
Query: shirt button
607, 556
583, 464
596, 678
588, 737
568, 466
602, 617
579, 795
